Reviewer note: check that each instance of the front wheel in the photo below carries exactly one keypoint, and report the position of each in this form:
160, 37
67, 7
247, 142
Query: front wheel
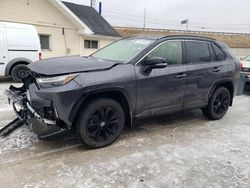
218, 104
19, 72
100, 123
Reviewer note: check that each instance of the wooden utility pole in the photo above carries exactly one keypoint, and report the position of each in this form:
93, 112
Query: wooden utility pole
144, 22
93, 3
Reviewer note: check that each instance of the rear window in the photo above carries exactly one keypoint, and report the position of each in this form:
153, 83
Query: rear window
198, 52
219, 55
226, 48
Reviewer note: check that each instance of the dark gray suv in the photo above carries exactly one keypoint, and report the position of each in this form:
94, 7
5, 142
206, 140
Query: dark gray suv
96, 96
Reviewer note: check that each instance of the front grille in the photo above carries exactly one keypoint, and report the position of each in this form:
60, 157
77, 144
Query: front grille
244, 69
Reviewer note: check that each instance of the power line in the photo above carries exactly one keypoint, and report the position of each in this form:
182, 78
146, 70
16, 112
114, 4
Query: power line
200, 8
114, 13
173, 23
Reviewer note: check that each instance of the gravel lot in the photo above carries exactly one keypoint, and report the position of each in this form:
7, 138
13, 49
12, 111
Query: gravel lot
180, 150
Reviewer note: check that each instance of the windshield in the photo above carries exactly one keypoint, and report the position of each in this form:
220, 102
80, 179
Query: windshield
247, 58
123, 50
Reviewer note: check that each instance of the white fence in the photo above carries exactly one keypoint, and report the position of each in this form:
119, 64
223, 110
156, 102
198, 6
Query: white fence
240, 52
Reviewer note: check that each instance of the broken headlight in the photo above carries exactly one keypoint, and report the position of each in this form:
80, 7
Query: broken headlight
47, 82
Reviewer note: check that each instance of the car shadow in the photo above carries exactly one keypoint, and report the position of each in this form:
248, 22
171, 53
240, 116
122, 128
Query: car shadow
172, 121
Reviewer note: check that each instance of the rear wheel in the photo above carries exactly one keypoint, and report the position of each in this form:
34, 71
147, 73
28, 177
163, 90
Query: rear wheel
218, 104
19, 72
100, 123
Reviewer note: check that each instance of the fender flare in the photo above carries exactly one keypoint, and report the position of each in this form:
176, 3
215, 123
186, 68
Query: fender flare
14, 62
90, 93
221, 82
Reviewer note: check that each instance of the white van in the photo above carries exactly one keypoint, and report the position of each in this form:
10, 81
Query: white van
19, 46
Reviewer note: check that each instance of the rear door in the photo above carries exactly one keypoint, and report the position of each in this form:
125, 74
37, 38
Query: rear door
3, 51
205, 68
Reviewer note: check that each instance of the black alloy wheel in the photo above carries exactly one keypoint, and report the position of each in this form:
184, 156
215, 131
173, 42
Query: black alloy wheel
100, 123
218, 104
221, 103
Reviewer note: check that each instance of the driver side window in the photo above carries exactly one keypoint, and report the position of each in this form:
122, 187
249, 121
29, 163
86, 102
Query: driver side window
170, 50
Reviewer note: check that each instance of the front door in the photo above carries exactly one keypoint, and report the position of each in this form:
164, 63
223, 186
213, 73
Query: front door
162, 90
3, 51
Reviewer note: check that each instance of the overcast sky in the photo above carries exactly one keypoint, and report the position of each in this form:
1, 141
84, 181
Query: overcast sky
209, 15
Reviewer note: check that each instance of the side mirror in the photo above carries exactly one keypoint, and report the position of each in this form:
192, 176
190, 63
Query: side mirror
154, 63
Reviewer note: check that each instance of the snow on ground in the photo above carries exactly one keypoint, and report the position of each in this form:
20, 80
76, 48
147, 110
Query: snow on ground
194, 156
165, 166
20, 139
195, 153
3, 100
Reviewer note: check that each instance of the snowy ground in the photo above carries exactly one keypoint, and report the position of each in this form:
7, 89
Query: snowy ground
181, 150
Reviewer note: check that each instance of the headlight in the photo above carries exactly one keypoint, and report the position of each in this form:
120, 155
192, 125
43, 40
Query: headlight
48, 82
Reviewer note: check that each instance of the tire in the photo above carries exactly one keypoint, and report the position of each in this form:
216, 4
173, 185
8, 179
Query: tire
100, 123
19, 72
218, 104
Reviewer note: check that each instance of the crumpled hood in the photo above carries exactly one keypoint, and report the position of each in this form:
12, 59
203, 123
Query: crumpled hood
70, 64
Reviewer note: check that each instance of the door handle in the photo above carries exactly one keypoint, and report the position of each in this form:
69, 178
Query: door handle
181, 75
216, 69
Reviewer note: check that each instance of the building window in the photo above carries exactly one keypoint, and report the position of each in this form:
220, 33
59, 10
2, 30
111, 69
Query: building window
91, 44
45, 42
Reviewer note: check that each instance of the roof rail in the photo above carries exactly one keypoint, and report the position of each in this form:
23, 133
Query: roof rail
188, 36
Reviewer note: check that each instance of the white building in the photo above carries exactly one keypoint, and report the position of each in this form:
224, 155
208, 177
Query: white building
64, 28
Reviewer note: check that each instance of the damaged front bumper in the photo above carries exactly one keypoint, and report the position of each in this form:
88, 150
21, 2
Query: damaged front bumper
41, 125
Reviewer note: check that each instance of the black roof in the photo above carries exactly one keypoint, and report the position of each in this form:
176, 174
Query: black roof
92, 19
155, 37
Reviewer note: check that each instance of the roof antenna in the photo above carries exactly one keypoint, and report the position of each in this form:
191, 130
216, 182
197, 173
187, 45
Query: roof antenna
100, 8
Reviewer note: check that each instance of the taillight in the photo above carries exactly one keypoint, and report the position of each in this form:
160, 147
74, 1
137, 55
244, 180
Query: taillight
241, 66
40, 55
